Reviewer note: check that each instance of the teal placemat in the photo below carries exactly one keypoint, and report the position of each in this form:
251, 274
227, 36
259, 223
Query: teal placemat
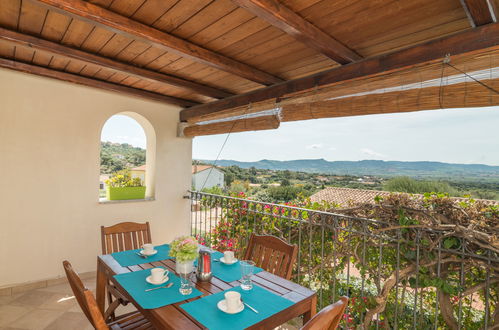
135, 284
206, 312
130, 257
227, 273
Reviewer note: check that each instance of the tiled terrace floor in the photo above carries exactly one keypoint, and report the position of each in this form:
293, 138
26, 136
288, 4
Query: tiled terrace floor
50, 308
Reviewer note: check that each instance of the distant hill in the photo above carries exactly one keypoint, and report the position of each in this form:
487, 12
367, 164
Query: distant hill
119, 156
381, 168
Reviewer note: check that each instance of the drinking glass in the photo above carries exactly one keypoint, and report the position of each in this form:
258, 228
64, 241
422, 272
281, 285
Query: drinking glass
185, 283
247, 267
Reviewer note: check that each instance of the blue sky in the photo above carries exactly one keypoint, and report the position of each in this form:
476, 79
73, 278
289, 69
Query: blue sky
453, 135
124, 129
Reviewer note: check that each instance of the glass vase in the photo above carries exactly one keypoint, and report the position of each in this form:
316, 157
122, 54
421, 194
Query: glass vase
184, 270
185, 284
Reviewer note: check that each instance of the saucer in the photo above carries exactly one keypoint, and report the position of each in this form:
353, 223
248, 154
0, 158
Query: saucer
148, 280
222, 305
222, 259
143, 252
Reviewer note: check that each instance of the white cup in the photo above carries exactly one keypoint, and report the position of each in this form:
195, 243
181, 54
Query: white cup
158, 275
229, 256
233, 301
148, 248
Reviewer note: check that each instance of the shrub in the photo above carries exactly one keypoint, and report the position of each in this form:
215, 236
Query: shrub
412, 186
123, 179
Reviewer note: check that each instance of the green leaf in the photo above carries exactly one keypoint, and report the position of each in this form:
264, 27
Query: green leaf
451, 242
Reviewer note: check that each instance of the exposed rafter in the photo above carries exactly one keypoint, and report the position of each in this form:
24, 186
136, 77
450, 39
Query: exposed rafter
149, 35
64, 76
480, 38
240, 125
480, 12
58, 49
293, 24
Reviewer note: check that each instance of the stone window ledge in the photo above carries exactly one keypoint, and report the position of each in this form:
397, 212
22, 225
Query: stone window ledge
105, 201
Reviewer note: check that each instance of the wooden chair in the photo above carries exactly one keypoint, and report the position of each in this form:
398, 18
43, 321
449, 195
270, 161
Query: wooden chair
329, 317
124, 236
86, 300
120, 237
272, 254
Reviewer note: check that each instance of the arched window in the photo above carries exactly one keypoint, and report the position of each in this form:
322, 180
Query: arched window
127, 158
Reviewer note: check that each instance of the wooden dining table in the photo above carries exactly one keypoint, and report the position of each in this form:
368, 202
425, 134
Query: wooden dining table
173, 317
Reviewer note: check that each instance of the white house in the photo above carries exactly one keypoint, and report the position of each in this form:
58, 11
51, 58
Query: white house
139, 172
206, 176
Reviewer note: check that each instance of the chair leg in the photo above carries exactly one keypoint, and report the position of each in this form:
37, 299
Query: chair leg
116, 298
111, 315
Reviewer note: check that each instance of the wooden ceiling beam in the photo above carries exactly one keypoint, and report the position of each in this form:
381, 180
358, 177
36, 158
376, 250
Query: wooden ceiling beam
151, 36
293, 24
234, 126
433, 51
69, 77
480, 12
58, 49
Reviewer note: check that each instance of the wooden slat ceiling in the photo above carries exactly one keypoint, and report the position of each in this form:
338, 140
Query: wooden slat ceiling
225, 30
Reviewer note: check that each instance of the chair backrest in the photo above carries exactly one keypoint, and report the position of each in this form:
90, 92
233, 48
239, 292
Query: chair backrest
124, 236
272, 254
329, 317
85, 298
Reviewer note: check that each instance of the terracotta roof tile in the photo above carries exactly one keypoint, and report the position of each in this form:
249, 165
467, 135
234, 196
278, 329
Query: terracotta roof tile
349, 196
139, 168
199, 168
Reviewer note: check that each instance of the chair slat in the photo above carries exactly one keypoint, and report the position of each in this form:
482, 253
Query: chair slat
135, 243
140, 235
127, 238
277, 263
121, 246
115, 243
107, 246
283, 265
266, 258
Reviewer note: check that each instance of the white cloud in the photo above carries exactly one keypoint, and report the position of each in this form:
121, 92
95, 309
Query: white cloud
371, 153
315, 146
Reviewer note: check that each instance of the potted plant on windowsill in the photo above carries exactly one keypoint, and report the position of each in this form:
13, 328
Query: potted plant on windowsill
121, 186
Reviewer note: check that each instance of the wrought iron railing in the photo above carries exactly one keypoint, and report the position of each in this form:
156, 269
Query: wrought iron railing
395, 277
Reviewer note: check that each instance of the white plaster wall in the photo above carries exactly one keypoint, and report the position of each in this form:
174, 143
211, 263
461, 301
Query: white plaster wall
49, 158
215, 178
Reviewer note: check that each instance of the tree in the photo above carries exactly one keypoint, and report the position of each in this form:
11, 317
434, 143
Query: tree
253, 171
117, 156
285, 182
228, 178
285, 193
412, 186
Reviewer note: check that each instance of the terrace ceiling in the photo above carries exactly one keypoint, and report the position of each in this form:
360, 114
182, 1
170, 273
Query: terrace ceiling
210, 56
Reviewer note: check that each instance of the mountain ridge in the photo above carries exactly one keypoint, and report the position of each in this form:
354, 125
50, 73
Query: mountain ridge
418, 169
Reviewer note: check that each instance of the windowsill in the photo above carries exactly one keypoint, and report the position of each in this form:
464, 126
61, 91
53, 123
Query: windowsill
105, 201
